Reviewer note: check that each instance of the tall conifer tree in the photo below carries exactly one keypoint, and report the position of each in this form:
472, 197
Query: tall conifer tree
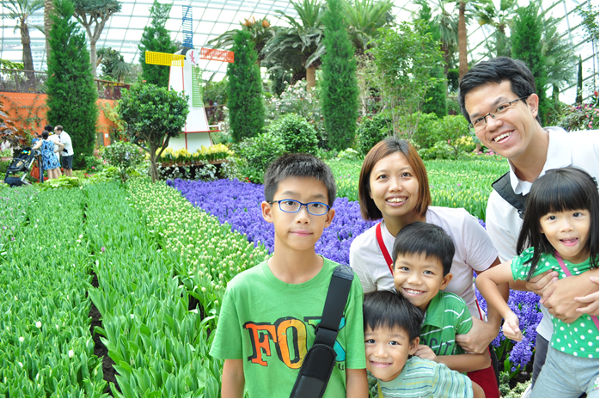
156, 38
526, 45
339, 88
245, 98
70, 87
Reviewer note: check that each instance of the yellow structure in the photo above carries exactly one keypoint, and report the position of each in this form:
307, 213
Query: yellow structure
167, 59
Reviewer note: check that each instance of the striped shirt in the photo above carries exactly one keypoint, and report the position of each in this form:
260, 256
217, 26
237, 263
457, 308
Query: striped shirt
447, 315
422, 378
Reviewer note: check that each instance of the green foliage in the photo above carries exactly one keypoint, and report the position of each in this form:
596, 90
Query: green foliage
526, 45
70, 87
156, 38
339, 90
113, 64
406, 60
256, 153
124, 156
297, 100
579, 95
464, 183
428, 129
245, 98
297, 135
372, 130
435, 97
440, 150
152, 115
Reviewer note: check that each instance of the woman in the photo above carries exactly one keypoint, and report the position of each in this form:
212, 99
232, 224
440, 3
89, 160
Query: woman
49, 159
393, 185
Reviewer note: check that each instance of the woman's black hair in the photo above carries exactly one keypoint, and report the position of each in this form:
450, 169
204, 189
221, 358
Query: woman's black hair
389, 309
558, 190
45, 134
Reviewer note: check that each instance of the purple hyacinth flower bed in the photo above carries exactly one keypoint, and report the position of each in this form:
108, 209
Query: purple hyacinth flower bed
238, 203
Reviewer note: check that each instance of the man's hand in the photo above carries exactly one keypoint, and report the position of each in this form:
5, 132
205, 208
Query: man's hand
478, 338
590, 301
539, 284
559, 297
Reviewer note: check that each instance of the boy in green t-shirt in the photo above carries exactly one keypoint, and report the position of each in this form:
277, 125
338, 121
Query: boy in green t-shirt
270, 312
422, 258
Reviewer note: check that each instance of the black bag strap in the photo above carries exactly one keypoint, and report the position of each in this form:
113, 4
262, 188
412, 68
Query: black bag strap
503, 187
319, 361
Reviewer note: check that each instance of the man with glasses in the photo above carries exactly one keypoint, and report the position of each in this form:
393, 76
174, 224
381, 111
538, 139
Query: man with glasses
498, 98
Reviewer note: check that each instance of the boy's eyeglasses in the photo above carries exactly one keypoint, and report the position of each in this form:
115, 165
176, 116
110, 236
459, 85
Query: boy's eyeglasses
293, 206
481, 122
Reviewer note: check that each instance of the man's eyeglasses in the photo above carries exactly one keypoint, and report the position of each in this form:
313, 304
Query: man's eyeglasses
293, 206
481, 122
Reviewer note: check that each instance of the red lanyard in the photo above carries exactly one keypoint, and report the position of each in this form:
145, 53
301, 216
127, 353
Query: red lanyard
568, 273
383, 249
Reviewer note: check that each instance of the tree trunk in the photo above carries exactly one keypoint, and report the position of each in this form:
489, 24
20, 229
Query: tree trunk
153, 169
463, 63
48, 10
27, 58
311, 77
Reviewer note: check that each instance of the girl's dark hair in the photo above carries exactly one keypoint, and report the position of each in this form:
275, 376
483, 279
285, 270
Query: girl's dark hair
389, 309
558, 190
425, 238
388, 146
45, 134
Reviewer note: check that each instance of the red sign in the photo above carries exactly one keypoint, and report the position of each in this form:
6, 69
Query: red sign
216, 55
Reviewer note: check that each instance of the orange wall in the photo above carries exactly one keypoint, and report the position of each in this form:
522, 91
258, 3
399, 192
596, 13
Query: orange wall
28, 111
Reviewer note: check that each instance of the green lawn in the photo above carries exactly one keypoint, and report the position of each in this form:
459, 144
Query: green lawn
464, 183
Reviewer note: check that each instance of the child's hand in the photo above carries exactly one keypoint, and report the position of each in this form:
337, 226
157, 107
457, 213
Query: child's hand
511, 329
425, 352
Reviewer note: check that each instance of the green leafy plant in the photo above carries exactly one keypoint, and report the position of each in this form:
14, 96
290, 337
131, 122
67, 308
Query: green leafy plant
124, 156
255, 154
296, 133
152, 115
371, 130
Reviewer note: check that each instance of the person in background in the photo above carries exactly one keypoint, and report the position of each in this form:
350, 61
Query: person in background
66, 157
49, 160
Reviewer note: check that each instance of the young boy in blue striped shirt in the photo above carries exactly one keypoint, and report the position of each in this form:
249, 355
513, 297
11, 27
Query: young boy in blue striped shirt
392, 327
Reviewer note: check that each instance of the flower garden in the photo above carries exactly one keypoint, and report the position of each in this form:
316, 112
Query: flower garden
113, 289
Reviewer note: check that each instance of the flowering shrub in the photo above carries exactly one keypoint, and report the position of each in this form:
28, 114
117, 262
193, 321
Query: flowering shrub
296, 99
581, 117
212, 153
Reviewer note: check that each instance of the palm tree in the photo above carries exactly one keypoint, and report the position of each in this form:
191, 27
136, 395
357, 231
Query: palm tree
448, 27
300, 44
260, 31
48, 9
364, 18
500, 19
21, 10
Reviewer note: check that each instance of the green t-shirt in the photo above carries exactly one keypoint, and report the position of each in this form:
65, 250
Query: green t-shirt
579, 338
447, 315
270, 325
